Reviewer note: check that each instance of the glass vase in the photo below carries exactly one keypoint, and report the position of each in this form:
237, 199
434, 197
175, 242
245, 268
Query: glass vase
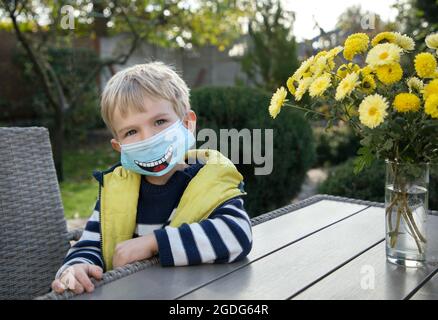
406, 212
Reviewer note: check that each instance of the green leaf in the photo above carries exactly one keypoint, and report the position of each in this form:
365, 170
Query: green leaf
388, 145
366, 141
365, 159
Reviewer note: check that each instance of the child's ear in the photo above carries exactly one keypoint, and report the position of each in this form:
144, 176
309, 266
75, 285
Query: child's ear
115, 144
190, 121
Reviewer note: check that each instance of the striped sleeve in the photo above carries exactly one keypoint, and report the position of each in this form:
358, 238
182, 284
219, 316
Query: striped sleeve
224, 237
87, 249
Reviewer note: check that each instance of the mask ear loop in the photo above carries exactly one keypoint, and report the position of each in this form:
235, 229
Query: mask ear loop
191, 160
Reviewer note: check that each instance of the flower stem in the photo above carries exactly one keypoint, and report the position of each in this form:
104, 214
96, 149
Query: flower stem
394, 234
412, 221
301, 108
389, 211
408, 223
403, 211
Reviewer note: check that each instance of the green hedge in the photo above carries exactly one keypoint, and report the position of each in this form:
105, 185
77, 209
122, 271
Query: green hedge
293, 145
369, 184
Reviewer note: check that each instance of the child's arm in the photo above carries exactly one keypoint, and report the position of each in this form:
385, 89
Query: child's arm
87, 249
224, 237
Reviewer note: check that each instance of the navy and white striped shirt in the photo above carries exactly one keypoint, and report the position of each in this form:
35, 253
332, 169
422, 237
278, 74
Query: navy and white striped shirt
224, 237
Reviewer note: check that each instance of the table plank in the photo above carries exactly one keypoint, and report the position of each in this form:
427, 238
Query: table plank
157, 282
429, 291
281, 231
368, 277
287, 271
356, 279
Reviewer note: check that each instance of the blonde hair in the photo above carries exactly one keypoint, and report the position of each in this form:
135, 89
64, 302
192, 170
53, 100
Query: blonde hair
128, 88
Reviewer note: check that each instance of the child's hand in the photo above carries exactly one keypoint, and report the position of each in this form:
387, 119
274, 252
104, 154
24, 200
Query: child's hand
135, 250
77, 278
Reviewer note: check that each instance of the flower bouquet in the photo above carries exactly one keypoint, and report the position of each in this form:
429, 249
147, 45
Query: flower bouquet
389, 97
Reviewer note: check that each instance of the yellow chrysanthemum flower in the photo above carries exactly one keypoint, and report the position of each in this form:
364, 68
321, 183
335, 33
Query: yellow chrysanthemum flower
366, 71
334, 52
405, 102
320, 54
345, 69
354, 44
432, 41
307, 74
389, 74
431, 106
342, 71
383, 54
425, 65
277, 101
415, 84
383, 37
320, 85
405, 42
330, 65
303, 68
303, 85
347, 85
290, 83
331, 55
319, 66
368, 85
430, 88
372, 110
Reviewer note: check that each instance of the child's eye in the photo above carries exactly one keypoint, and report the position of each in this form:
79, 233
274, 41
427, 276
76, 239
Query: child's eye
160, 122
130, 133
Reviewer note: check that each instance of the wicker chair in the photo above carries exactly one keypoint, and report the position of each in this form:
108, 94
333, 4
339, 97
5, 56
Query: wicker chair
33, 231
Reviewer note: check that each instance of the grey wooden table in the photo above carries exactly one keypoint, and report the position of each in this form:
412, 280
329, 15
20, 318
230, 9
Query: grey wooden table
324, 247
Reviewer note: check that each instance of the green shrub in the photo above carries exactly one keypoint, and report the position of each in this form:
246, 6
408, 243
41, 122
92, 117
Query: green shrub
335, 145
293, 146
369, 184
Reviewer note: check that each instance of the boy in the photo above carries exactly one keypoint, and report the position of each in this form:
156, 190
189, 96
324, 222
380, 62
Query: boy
164, 197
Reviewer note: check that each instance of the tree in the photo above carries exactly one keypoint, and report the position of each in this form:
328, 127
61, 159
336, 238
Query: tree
354, 20
272, 48
41, 25
417, 18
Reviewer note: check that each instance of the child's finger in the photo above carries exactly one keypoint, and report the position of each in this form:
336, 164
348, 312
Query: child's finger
69, 281
76, 286
57, 286
84, 280
95, 272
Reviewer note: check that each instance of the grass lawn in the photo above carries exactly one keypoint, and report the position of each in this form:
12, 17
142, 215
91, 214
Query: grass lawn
79, 190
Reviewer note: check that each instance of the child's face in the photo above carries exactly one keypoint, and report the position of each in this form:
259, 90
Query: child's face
136, 126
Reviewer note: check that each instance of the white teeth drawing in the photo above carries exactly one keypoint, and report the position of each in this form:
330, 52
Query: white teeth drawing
158, 164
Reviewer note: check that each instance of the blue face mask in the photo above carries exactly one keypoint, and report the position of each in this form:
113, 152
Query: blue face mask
158, 154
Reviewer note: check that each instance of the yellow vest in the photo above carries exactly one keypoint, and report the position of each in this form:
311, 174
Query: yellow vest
216, 182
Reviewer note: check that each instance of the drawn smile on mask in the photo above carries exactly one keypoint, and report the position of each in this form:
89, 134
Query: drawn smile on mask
157, 165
